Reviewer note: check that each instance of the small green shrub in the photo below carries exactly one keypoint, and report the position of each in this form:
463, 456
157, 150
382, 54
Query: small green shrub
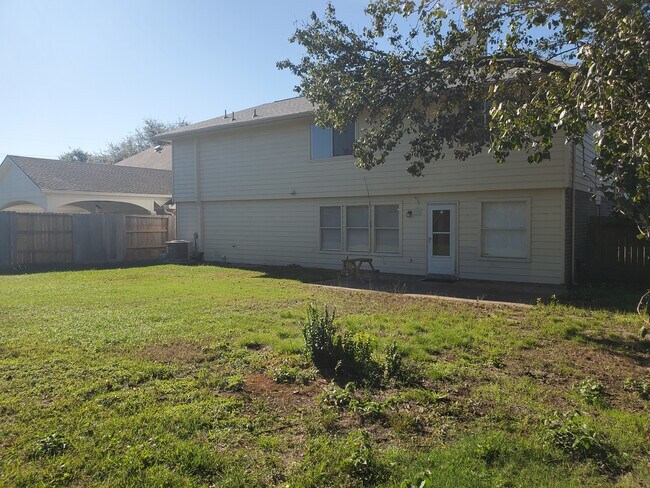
571, 433
350, 356
591, 391
51, 445
641, 388
321, 338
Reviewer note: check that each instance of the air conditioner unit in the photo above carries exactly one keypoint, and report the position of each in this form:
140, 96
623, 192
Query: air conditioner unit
178, 250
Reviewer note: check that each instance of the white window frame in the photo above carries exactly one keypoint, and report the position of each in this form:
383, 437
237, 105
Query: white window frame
340, 228
399, 229
525, 200
371, 229
367, 228
343, 156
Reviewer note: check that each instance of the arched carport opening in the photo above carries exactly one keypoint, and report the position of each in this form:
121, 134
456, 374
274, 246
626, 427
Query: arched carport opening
104, 207
21, 206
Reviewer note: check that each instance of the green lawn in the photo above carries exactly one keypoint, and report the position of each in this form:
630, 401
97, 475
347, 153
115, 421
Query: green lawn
164, 376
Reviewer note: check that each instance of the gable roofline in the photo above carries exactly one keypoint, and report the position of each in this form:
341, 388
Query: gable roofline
287, 109
10, 157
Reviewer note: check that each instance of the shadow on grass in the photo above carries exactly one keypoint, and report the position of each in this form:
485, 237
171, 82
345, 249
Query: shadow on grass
628, 347
23, 269
606, 297
296, 273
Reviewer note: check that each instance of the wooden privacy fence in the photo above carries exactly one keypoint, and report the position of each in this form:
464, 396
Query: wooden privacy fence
31, 238
615, 253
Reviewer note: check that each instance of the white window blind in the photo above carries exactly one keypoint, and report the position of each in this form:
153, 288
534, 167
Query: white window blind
386, 228
357, 228
330, 228
504, 229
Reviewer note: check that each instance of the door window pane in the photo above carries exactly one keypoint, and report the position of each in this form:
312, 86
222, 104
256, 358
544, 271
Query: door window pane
441, 245
441, 221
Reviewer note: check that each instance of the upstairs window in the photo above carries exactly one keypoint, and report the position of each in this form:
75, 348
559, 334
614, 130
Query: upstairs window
329, 143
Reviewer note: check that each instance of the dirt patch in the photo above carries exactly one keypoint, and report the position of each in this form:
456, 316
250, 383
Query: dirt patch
177, 352
561, 365
282, 394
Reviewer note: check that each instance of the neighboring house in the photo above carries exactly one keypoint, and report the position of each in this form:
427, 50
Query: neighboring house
51, 185
159, 157
266, 186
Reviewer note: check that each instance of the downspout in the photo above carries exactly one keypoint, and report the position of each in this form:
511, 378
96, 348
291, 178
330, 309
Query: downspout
573, 214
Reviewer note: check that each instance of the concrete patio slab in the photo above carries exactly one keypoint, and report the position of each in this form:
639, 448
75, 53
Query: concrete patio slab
466, 290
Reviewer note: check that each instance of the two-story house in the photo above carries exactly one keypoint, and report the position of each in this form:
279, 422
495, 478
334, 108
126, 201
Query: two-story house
266, 186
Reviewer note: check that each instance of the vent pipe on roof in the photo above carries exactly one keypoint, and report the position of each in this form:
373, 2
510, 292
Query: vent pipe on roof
233, 117
254, 112
225, 114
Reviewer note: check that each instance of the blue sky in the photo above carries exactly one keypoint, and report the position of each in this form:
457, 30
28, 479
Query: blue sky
84, 73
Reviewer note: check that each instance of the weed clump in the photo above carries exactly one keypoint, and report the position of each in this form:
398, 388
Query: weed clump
347, 399
642, 388
291, 374
571, 433
346, 356
591, 390
51, 445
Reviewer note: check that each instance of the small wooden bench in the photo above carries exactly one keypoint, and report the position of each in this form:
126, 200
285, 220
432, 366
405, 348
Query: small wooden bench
351, 267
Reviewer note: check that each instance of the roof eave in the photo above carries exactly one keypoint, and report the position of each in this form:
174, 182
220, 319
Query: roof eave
165, 136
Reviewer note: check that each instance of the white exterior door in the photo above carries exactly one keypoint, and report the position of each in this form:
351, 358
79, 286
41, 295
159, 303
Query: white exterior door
441, 239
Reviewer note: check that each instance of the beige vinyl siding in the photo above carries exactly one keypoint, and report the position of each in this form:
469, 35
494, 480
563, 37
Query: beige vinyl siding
183, 174
585, 174
187, 221
272, 161
286, 231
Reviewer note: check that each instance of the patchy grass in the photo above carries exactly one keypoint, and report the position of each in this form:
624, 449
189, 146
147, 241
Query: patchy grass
177, 376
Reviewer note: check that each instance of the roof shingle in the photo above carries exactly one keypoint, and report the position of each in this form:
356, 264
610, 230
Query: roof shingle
54, 174
150, 158
267, 111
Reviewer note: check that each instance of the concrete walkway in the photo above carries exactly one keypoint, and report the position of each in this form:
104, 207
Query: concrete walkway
463, 290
